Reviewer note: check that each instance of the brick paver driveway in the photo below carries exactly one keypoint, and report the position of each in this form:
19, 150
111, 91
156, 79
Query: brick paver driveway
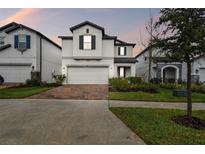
30, 121
88, 92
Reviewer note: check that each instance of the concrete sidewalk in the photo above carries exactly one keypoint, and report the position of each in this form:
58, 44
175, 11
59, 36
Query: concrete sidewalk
164, 105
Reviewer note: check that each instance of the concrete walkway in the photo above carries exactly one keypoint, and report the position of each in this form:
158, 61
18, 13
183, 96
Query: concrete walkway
30, 121
164, 105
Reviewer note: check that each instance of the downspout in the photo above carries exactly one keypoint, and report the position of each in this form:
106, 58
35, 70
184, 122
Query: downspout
40, 59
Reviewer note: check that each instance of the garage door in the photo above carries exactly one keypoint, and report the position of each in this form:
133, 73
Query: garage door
15, 73
87, 75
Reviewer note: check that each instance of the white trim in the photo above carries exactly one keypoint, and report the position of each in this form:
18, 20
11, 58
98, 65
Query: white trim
173, 66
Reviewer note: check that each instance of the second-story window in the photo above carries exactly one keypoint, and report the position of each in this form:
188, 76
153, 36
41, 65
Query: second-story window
87, 42
121, 51
2, 40
22, 42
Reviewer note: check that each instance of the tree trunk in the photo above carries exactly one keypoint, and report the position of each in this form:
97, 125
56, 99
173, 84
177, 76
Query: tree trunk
189, 95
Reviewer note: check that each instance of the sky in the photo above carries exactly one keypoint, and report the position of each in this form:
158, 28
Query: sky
127, 24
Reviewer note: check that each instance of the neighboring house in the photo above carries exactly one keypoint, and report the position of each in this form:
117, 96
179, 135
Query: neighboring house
166, 69
23, 50
92, 57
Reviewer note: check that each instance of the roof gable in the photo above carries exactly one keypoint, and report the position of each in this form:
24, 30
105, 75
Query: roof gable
14, 26
7, 26
87, 23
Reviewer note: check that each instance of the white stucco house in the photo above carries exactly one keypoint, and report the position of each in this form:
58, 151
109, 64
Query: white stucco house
23, 49
92, 57
164, 68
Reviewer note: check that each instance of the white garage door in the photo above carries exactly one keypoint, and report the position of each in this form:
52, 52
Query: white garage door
15, 73
87, 75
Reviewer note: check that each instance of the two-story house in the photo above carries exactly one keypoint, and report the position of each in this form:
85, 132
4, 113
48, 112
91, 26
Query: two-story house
23, 50
92, 57
166, 69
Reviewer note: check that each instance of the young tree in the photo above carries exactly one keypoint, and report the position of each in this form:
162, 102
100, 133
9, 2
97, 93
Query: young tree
184, 38
152, 32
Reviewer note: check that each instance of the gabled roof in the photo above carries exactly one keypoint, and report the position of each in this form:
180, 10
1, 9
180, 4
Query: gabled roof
104, 36
87, 23
66, 37
122, 43
143, 51
108, 37
14, 26
5, 47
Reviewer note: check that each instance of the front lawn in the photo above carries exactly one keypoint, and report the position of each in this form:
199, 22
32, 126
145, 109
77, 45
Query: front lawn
155, 126
163, 96
21, 92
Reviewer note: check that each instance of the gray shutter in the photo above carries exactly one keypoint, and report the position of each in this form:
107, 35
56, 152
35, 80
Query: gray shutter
28, 41
81, 42
118, 50
93, 42
16, 41
125, 49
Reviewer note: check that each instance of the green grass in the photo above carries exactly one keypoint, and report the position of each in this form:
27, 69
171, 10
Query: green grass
162, 96
21, 92
155, 126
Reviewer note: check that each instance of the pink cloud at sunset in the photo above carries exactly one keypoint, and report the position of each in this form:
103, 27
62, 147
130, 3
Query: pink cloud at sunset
22, 16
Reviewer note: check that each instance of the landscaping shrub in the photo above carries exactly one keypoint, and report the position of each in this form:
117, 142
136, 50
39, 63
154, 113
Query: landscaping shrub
200, 88
33, 82
146, 87
119, 84
134, 80
156, 80
169, 80
172, 86
59, 78
123, 84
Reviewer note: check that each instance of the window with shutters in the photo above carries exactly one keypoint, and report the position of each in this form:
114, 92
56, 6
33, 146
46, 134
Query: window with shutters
122, 51
87, 42
22, 41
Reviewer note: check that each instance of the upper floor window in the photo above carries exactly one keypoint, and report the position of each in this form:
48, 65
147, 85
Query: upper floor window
87, 42
2, 40
22, 41
121, 51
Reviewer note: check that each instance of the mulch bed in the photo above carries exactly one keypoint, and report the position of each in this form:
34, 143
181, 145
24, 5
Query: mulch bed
195, 123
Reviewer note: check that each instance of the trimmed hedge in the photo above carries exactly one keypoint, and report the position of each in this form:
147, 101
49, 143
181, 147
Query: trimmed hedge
200, 88
124, 84
119, 84
146, 87
172, 86
134, 80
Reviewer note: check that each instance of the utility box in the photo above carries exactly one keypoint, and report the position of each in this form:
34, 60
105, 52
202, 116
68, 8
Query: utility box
180, 93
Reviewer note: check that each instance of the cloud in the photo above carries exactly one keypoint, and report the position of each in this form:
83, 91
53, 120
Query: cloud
26, 16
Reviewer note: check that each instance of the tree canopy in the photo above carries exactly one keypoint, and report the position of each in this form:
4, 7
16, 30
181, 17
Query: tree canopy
183, 34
